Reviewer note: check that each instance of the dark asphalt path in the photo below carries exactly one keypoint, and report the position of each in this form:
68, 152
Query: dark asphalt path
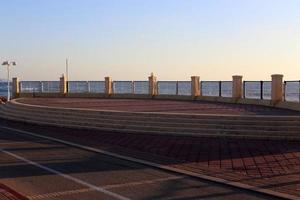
42, 169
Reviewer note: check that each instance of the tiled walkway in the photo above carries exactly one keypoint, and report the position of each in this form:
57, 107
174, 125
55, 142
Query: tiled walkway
271, 164
7, 193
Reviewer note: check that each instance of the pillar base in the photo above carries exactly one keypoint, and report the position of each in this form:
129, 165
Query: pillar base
277, 88
237, 87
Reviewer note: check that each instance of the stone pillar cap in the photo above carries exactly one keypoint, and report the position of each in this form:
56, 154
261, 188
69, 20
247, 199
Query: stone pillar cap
237, 76
277, 75
151, 75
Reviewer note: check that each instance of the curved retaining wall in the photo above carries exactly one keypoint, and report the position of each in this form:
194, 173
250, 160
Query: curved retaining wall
255, 126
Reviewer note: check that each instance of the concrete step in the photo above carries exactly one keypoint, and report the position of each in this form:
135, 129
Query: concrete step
147, 129
169, 115
205, 132
294, 120
224, 121
145, 123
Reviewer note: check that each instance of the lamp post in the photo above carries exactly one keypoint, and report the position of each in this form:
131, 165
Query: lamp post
8, 64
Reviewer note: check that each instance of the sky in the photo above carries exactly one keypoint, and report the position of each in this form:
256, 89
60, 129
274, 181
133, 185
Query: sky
129, 39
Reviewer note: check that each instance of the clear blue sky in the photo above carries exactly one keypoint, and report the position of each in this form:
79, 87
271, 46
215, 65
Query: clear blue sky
129, 39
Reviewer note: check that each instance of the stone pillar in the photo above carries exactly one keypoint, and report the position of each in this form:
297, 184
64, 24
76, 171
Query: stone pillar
152, 85
195, 86
237, 87
15, 88
277, 88
108, 86
63, 85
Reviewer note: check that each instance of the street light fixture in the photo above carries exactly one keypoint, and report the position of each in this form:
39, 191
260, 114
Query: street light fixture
8, 64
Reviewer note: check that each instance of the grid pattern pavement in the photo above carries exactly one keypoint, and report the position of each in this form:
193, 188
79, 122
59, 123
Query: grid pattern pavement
43, 169
7, 193
270, 164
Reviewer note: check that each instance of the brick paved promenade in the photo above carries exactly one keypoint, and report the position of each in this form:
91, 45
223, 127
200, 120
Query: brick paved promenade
270, 164
7, 193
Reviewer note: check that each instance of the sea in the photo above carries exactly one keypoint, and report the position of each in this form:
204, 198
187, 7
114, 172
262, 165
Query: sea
3, 89
252, 89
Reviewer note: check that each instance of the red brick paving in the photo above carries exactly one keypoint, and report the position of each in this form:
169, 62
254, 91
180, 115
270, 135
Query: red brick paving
149, 105
7, 193
272, 164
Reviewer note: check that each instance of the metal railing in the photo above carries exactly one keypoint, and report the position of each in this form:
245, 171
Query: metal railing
39, 86
226, 89
292, 91
31, 86
3, 88
251, 89
123, 87
167, 87
141, 87
174, 87
78, 86
184, 88
50, 86
96, 86
216, 88
257, 89
86, 86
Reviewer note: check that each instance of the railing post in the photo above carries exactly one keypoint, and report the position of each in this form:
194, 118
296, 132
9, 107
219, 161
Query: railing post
237, 89
15, 88
153, 90
20, 86
67, 85
201, 87
133, 87
261, 89
88, 86
220, 88
276, 91
177, 90
63, 85
42, 86
244, 89
195, 86
284, 91
108, 86
48, 88
299, 91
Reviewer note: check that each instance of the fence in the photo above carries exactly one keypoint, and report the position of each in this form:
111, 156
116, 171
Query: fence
292, 91
141, 87
39, 86
3, 88
86, 86
251, 89
257, 89
216, 88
